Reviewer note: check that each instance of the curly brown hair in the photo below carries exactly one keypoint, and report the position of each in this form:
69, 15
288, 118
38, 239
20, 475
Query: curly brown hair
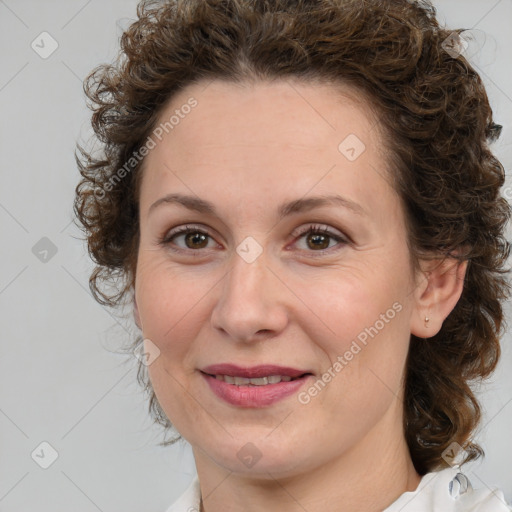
433, 108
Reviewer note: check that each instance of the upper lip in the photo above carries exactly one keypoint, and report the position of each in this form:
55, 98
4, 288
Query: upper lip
263, 370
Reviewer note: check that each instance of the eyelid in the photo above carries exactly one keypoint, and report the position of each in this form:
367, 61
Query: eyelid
317, 227
298, 233
165, 240
341, 239
183, 229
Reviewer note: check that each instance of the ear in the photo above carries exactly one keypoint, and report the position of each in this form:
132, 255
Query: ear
438, 290
136, 313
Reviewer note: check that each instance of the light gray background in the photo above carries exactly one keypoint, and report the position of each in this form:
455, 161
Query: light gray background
61, 379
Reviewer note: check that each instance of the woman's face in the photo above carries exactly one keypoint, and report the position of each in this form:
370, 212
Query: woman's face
258, 289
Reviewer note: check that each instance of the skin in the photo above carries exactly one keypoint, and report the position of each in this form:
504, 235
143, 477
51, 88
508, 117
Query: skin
247, 148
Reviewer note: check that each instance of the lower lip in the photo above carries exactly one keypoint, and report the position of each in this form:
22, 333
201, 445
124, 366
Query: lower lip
254, 396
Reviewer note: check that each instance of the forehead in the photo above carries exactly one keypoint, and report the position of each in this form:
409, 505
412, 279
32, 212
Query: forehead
273, 138
288, 111
288, 114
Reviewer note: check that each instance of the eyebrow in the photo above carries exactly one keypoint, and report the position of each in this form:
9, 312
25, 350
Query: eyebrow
298, 205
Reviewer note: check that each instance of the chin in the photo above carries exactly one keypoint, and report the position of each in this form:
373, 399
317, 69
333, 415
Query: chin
260, 458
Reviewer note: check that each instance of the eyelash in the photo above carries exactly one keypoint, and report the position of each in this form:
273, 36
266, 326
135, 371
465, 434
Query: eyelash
316, 229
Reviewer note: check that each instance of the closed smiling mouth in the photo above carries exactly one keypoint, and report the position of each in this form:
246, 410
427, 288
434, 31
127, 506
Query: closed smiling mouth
259, 381
260, 375
255, 386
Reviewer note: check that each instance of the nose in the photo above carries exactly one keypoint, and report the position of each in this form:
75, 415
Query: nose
251, 305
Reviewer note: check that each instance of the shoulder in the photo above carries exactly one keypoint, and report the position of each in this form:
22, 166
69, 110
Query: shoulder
450, 490
190, 499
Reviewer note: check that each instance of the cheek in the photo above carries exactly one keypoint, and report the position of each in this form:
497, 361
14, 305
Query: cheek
171, 307
367, 334
175, 392
356, 305
169, 297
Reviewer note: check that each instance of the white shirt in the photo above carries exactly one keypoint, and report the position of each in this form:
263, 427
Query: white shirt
447, 490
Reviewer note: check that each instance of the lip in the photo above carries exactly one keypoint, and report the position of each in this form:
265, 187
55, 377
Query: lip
254, 396
253, 372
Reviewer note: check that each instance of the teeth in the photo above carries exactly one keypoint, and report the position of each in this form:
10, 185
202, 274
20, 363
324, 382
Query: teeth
243, 380
260, 381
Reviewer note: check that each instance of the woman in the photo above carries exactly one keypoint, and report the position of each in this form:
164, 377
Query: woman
300, 202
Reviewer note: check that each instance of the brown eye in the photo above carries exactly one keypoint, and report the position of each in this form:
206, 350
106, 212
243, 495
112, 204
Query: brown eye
318, 238
194, 239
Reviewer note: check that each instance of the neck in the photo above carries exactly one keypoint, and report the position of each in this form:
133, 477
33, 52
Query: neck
369, 477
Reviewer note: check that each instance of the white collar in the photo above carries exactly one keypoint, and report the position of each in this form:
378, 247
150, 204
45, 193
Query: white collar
447, 490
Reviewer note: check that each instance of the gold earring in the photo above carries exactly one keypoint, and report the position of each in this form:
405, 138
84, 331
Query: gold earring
427, 320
